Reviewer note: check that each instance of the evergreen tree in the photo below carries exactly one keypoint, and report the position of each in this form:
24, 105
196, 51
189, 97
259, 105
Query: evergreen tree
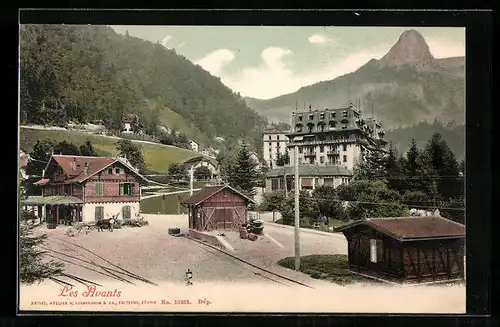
177, 172
32, 267
131, 152
87, 149
372, 167
443, 168
244, 174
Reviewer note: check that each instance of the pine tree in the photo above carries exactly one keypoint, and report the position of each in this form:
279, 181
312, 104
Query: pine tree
32, 267
244, 175
39, 157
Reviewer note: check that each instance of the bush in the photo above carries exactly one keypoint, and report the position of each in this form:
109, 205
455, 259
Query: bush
135, 222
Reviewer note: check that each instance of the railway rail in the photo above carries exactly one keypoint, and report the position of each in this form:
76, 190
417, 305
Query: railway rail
261, 272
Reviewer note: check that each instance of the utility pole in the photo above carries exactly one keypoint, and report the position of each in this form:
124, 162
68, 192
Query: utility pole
191, 178
297, 217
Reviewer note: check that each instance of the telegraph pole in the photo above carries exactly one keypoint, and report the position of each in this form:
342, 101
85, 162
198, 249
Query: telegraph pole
191, 179
297, 217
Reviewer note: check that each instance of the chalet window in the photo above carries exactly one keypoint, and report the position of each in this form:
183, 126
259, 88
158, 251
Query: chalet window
300, 118
99, 188
67, 189
373, 251
126, 212
99, 213
118, 171
110, 171
126, 189
345, 158
274, 184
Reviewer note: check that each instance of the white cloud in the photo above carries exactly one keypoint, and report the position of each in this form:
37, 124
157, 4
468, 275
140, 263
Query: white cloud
165, 40
318, 39
445, 49
214, 61
274, 78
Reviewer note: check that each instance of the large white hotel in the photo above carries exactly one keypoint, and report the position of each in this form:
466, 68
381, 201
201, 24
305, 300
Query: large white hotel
337, 137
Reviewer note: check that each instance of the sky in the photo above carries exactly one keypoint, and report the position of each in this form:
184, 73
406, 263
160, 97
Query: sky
265, 62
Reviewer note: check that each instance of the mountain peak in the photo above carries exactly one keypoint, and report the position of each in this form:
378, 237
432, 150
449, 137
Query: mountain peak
410, 48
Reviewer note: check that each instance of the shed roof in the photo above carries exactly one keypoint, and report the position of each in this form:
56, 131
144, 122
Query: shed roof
310, 170
52, 200
412, 228
210, 191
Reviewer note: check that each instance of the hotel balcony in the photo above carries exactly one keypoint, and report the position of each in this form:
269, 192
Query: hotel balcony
332, 153
309, 154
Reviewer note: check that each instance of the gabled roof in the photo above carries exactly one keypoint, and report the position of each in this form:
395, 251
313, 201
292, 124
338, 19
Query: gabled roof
412, 228
310, 170
94, 165
210, 191
200, 159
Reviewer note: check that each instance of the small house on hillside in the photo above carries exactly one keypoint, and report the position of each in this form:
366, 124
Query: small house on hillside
202, 161
419, 249
217, 207
194, 145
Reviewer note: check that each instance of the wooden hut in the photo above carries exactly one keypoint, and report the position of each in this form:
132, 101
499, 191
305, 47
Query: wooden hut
217, 207
418, 249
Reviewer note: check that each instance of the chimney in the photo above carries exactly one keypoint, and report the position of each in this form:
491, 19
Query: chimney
85, 169
74, 164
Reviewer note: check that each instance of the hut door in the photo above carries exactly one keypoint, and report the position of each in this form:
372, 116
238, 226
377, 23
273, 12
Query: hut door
239, 217
208, 218
223, 218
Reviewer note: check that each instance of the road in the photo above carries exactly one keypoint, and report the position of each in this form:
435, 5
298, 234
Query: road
151, 254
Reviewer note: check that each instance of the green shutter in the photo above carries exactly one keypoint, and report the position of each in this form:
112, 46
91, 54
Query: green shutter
132, 186
121, 189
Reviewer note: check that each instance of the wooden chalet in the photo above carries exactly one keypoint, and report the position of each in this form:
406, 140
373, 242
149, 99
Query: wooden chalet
217, 207
419, 249
84, 189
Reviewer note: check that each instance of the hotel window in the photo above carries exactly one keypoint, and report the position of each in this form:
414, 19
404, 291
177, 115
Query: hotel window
300, 118
344, 146
322, 159
99, 213
269, 137
300, 149
126, 188
322, 148
311, 116
333, 115
344, 114
277, 137
99, 188
321, 116
345, 158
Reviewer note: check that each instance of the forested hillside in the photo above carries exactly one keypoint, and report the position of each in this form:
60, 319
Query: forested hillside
85, 73
453, 134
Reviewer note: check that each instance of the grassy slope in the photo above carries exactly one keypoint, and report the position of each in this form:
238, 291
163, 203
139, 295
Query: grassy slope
171, 119
157, 157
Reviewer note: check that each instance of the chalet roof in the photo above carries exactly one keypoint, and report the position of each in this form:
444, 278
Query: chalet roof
199, 159
51, 200
412, 228
210, 191
310, 170
94, 165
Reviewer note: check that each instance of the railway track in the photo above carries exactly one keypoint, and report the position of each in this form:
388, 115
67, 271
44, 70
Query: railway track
258, 271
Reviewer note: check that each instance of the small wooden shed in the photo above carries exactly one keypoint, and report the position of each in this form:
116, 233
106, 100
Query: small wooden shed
217, 207
419, 249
